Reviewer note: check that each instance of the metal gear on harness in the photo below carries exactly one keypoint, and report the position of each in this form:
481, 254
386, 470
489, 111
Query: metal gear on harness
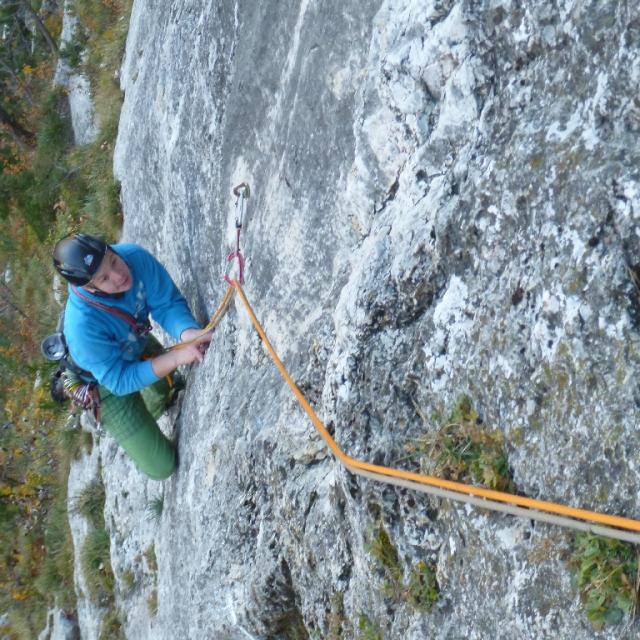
241, 192
85, 395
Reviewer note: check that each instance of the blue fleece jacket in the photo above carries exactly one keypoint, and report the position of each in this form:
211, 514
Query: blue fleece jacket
106, 345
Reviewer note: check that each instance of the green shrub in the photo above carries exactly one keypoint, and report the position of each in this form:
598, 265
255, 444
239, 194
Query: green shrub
54, 133
71, 51
422, 590
605, 572
41, 185
97, 17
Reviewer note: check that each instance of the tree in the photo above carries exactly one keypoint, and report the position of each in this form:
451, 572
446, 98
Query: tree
21, 11
22, 137
7, 301
31, 12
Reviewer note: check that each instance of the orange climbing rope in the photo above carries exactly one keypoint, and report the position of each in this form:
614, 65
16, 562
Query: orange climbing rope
614, 526
213, 323
530, 508
521, 506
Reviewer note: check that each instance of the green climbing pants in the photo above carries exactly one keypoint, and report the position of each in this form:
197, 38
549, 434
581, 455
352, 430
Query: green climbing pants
131, 421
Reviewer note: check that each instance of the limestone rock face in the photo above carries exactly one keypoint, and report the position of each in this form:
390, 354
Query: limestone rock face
445, 202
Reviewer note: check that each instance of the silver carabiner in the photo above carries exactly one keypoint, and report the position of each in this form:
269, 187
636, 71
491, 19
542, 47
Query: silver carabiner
241, 192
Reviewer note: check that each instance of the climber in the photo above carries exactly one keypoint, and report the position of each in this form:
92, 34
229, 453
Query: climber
112, 291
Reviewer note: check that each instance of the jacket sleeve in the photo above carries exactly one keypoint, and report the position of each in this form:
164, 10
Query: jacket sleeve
100, 355
166, 304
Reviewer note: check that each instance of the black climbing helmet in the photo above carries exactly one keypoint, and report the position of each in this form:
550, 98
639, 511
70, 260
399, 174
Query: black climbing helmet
77, 257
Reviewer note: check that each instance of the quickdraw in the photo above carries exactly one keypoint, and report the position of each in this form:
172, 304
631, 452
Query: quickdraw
241, 192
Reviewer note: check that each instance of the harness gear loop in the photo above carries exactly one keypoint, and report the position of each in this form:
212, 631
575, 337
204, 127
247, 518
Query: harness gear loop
241, 192
85, 395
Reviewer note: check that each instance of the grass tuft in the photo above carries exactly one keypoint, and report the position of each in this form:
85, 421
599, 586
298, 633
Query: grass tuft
56, 577
71, 440
367, 630
150, 557
152, 602
336, 619
290, 625
111, 627
463, 449
154, 509
420, 591
89, 503
96, 566
128, 580
384, 552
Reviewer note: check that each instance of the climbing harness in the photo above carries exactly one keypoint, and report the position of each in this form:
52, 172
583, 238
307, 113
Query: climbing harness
241, 192
70, 381
603, 524
86, 394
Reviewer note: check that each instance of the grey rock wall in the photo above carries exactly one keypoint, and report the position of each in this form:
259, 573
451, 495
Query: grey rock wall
445, 203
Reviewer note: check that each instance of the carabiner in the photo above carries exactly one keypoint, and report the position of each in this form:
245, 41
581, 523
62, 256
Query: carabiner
241, 192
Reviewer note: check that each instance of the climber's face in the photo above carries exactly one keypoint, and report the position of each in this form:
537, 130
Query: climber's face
113, 276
